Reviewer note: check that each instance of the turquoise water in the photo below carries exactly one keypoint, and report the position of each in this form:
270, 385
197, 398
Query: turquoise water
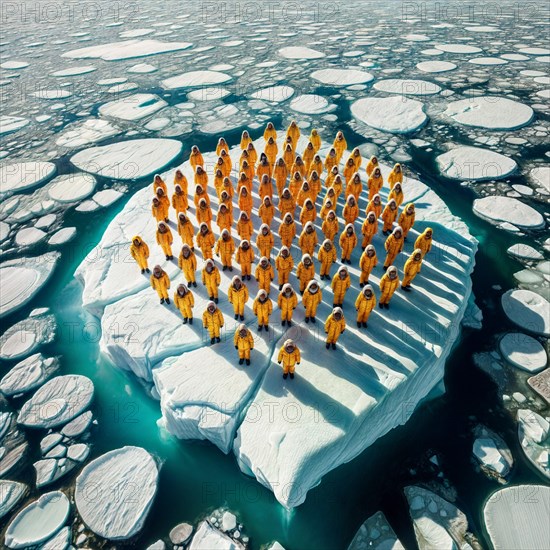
196, 478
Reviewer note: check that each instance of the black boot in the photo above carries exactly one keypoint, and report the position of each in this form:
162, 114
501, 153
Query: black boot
236, 316
307, 319
312, 319
248, 277
241, 317
288, 323
142, 271
364, 325
215, 300
190, 320
407, 288
195, 284
361, 285
241, 361
224, 268
358, 324
292, 375
248, 361
327, 345
218, 339
280, 287
162, 300
185, 320
212, 340
385, 268
387, 306
283, 323
266, 328
230, 268
381, 305
259, 328
167, 257
167, 300
285, 375
333, 346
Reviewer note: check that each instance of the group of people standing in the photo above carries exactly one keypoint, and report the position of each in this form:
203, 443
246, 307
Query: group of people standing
297, 181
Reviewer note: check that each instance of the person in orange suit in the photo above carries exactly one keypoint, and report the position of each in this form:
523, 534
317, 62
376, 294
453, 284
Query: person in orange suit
266, 187
287, 230
204, 214
252, 154
331, 174
245, 201
288, 155
331, 160
351, 210
424, 241
397, 194
280, 175
179, 200
374, 205
354, 187
348, 241
271, 151
185, 230
406, 219
369, 229
293, 132
284, 263
375, 183
287, 302
205, 241
201, 177
308, 213
315, 138
140, 252
245, 228
395, 176
270, 132
340, 285
245, 140
349, 169
159, 182
264, 168
225, 248
295, 184
388, 216
211, 279
184, 301
224, 219
200, 194
246, 176
330, 226
412, 269
264, 274
313, 296
367, 263
307, 157
244, 343
299, 167
289, 356
263, 308
212, 320
355, 155
195, 158
181, 180
326, 257
164, 202
340, 145
244, 257
388, 284
328, 206
304, 193
393, 246
222, 145
305, 271
335, 325
237, 294
338, 185
287, 203
227, 164
364, 304
265, 240
218, 175
266, 211
187, 262
316, 167
161, 283
371, 165
165, 239
308, 239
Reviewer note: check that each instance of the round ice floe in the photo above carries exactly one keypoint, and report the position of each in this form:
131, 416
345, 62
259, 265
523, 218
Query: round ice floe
457, 48
194, 79
142, 68
134, 107
482, 28
535, 51
514, 57
399, 115
276, 94
417, 38
523, 352
24, 175
46, 408
435, 66
310, 104
39, 521
28, 374
72, 187
75, 71
13, 65
29, 236
509, 210
493, 112
528, 310
300, 52
525, 252
119, 485
517, 517
127, 160
541, 176
208, 94
407, 86
52, 94
112, 81
65, 234
544, 93
22, 278
475, 164
342, 77
12, 123
487, 61
11, 492
88, 132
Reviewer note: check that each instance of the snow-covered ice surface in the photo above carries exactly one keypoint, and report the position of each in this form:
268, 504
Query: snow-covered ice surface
86, 133
10, 124
277, 94
195, 79
124, 483
376, 533
407, 86
134, 107
435, 66
342, 77
475, 163
348, 402
208, 537
517, 517
75, 71
534, 438
528, 310
24, 175
398, 115
499, 209
11, 492
492, 112
311, 104
72, 187
22, 278
492, 453
300, 52
28, 374
523, 351
127, 160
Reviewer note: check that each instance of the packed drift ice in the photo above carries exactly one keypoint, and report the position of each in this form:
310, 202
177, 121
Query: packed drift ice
287, 433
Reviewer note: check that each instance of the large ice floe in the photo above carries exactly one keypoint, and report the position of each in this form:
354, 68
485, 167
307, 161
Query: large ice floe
300, 52
114, 492
499, 209
134, 107
195, 79
287, 435
24, 175
341, 77
407, 86
528, 310
127, 160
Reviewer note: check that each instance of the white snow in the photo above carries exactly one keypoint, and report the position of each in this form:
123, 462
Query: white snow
517, 517
376, 533
126, 160
12, 123
11, 492
300, 52
507, 209
528, 310
28, 374
534, 437
208, 94
52, 94
133, 107
523, 352
457, 48
86, 133
127, 49
535, 51
65, 234
488, 454
59, 400
311, 104
475, 164
124, 483
195, 79
407, 86
61, 541
39, 521
208, 537
276, 94
525, 252
78, 425
22, 278
29, 236
142, 68
435, 66
398, 115
492, 112
4, 231
342, 77
13, 65
71, 187
541, 176
75, 71
487, 61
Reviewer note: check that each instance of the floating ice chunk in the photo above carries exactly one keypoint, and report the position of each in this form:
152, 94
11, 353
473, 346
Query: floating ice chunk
482, 28
45, 221
398, 115
181, 533
127, 160
195, 79
142, 68
276, 94
106, 197
75, 71
119, 88
134, 107
207, 536
60, 541
29, 236
517, 517
78, 452
535, 51
417, 38
208, 94
10, 124
435, 66
52, 94
342, 77
492, 453
39, 521
4, 231
541, 176
22, 278
525, 252
112, 81
493, 112
544, 93
506, 209
126, 483
135, 33
376, 533
229, 521
72, 187
457, 48
13, 65
86, 133
407, 87
311, 104
528, 310
78, 425
475, 164
300, 52
49, 470
11, 492
523, 352
25, 336
64, 235
59, 400
127, 50
487, 61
